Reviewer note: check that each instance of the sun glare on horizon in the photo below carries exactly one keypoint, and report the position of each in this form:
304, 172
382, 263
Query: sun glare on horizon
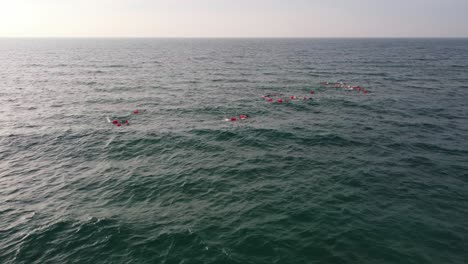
222, 18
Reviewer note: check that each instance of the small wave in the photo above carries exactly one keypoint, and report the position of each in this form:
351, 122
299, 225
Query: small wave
433, 148
115, 66
96, 72
459, 66
87, 83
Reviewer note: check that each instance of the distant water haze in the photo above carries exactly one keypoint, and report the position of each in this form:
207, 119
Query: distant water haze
242, 18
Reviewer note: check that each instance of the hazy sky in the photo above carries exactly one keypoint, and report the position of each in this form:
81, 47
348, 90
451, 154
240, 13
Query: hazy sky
234, 18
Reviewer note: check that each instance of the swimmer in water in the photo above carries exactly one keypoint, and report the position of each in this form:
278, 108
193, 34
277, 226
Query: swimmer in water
243, 117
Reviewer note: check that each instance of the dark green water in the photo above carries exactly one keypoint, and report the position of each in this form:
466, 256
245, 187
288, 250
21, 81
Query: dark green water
344, 178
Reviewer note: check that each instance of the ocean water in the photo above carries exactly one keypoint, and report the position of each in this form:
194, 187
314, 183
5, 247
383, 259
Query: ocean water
346, 177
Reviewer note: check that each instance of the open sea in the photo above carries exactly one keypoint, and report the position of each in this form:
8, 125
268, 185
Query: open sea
341, 177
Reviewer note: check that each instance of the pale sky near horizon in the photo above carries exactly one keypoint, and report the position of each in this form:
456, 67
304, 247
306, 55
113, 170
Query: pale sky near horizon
236, 18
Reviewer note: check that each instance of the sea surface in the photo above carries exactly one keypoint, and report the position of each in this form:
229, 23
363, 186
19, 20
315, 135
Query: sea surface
344, 177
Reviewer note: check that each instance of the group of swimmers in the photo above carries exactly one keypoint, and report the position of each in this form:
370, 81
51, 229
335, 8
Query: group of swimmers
274, 97
123, 122
346, 87
234, 118
280, 98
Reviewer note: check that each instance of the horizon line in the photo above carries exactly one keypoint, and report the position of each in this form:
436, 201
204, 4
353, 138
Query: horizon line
240, 37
